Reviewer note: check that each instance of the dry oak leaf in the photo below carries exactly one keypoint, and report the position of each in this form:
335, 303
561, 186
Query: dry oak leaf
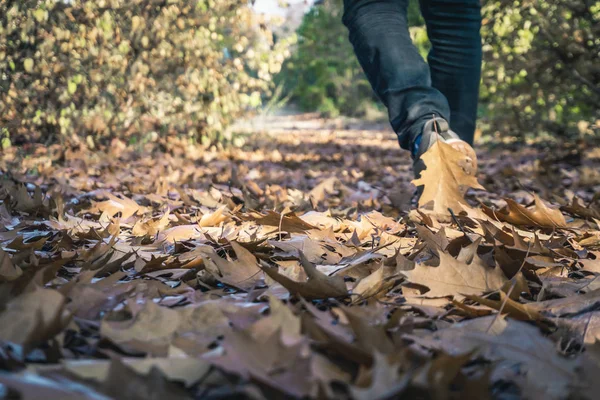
320, 192
318, 285
158, 325
511, 343
386, 380
286, 369
540, 215
8, 271
185, 370
181, 232
514, 309
34, 317
25, 203
288, 222
214, 218
114, 205
281, 319
243, 273
443, 180
580, 210
151, 227
378, 283
455, 277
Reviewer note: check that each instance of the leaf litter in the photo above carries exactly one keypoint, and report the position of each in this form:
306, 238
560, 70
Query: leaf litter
295, 267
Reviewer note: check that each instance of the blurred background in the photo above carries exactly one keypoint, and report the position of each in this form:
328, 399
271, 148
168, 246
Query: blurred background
89, 72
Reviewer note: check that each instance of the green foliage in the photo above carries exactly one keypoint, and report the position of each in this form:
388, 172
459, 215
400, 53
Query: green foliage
323, 74
130, 68
542, 65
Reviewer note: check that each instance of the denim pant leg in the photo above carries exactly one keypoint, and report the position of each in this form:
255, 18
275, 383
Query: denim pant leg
378, 30
453, 27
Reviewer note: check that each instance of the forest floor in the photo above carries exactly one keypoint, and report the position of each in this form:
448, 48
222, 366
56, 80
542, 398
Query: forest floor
295, 265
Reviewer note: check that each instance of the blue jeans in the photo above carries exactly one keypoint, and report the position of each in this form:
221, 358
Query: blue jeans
411, 89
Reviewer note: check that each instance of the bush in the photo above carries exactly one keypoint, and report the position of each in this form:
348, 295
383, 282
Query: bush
542, 65
323, 74
131, 69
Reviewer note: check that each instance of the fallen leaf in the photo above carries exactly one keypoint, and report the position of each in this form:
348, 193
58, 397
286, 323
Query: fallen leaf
540, 215
318, 285
510, 343
579, 210
454, 277
243, 273
443, 180
33, 317
376, 284
288, 222
386, 381
510, 307
115, 205
8, 272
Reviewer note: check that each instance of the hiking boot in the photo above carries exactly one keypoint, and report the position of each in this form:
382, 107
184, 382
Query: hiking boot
438, 129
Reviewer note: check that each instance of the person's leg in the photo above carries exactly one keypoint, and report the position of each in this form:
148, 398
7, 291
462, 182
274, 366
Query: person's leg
378, 30
455, 58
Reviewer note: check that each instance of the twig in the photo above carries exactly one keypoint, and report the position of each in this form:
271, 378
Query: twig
587, 325
458, 223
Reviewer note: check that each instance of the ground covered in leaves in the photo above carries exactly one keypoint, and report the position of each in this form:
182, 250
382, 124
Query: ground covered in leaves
296, 267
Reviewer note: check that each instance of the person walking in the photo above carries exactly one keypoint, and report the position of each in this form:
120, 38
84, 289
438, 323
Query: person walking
429, 101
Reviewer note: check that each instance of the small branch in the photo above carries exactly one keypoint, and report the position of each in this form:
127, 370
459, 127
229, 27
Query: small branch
458, 223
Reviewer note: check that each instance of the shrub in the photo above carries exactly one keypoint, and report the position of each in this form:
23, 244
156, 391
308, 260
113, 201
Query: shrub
132, 69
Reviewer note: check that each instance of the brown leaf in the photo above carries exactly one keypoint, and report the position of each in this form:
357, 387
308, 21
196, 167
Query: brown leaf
377, 284
288, 222
320, 192
151, 227
215, 218
123, 382
386, 381
443, 180
115, 205
243, 273
181, 232
579, 210
25, 203
33, 317
186, 370
506, 305
281, 319
8, 271
157, 325
510, 343
454, 277
318, 285
539, 215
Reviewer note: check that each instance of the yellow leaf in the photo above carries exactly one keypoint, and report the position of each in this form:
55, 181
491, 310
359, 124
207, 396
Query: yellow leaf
539, 215
28, 65
443, 180
456, 277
